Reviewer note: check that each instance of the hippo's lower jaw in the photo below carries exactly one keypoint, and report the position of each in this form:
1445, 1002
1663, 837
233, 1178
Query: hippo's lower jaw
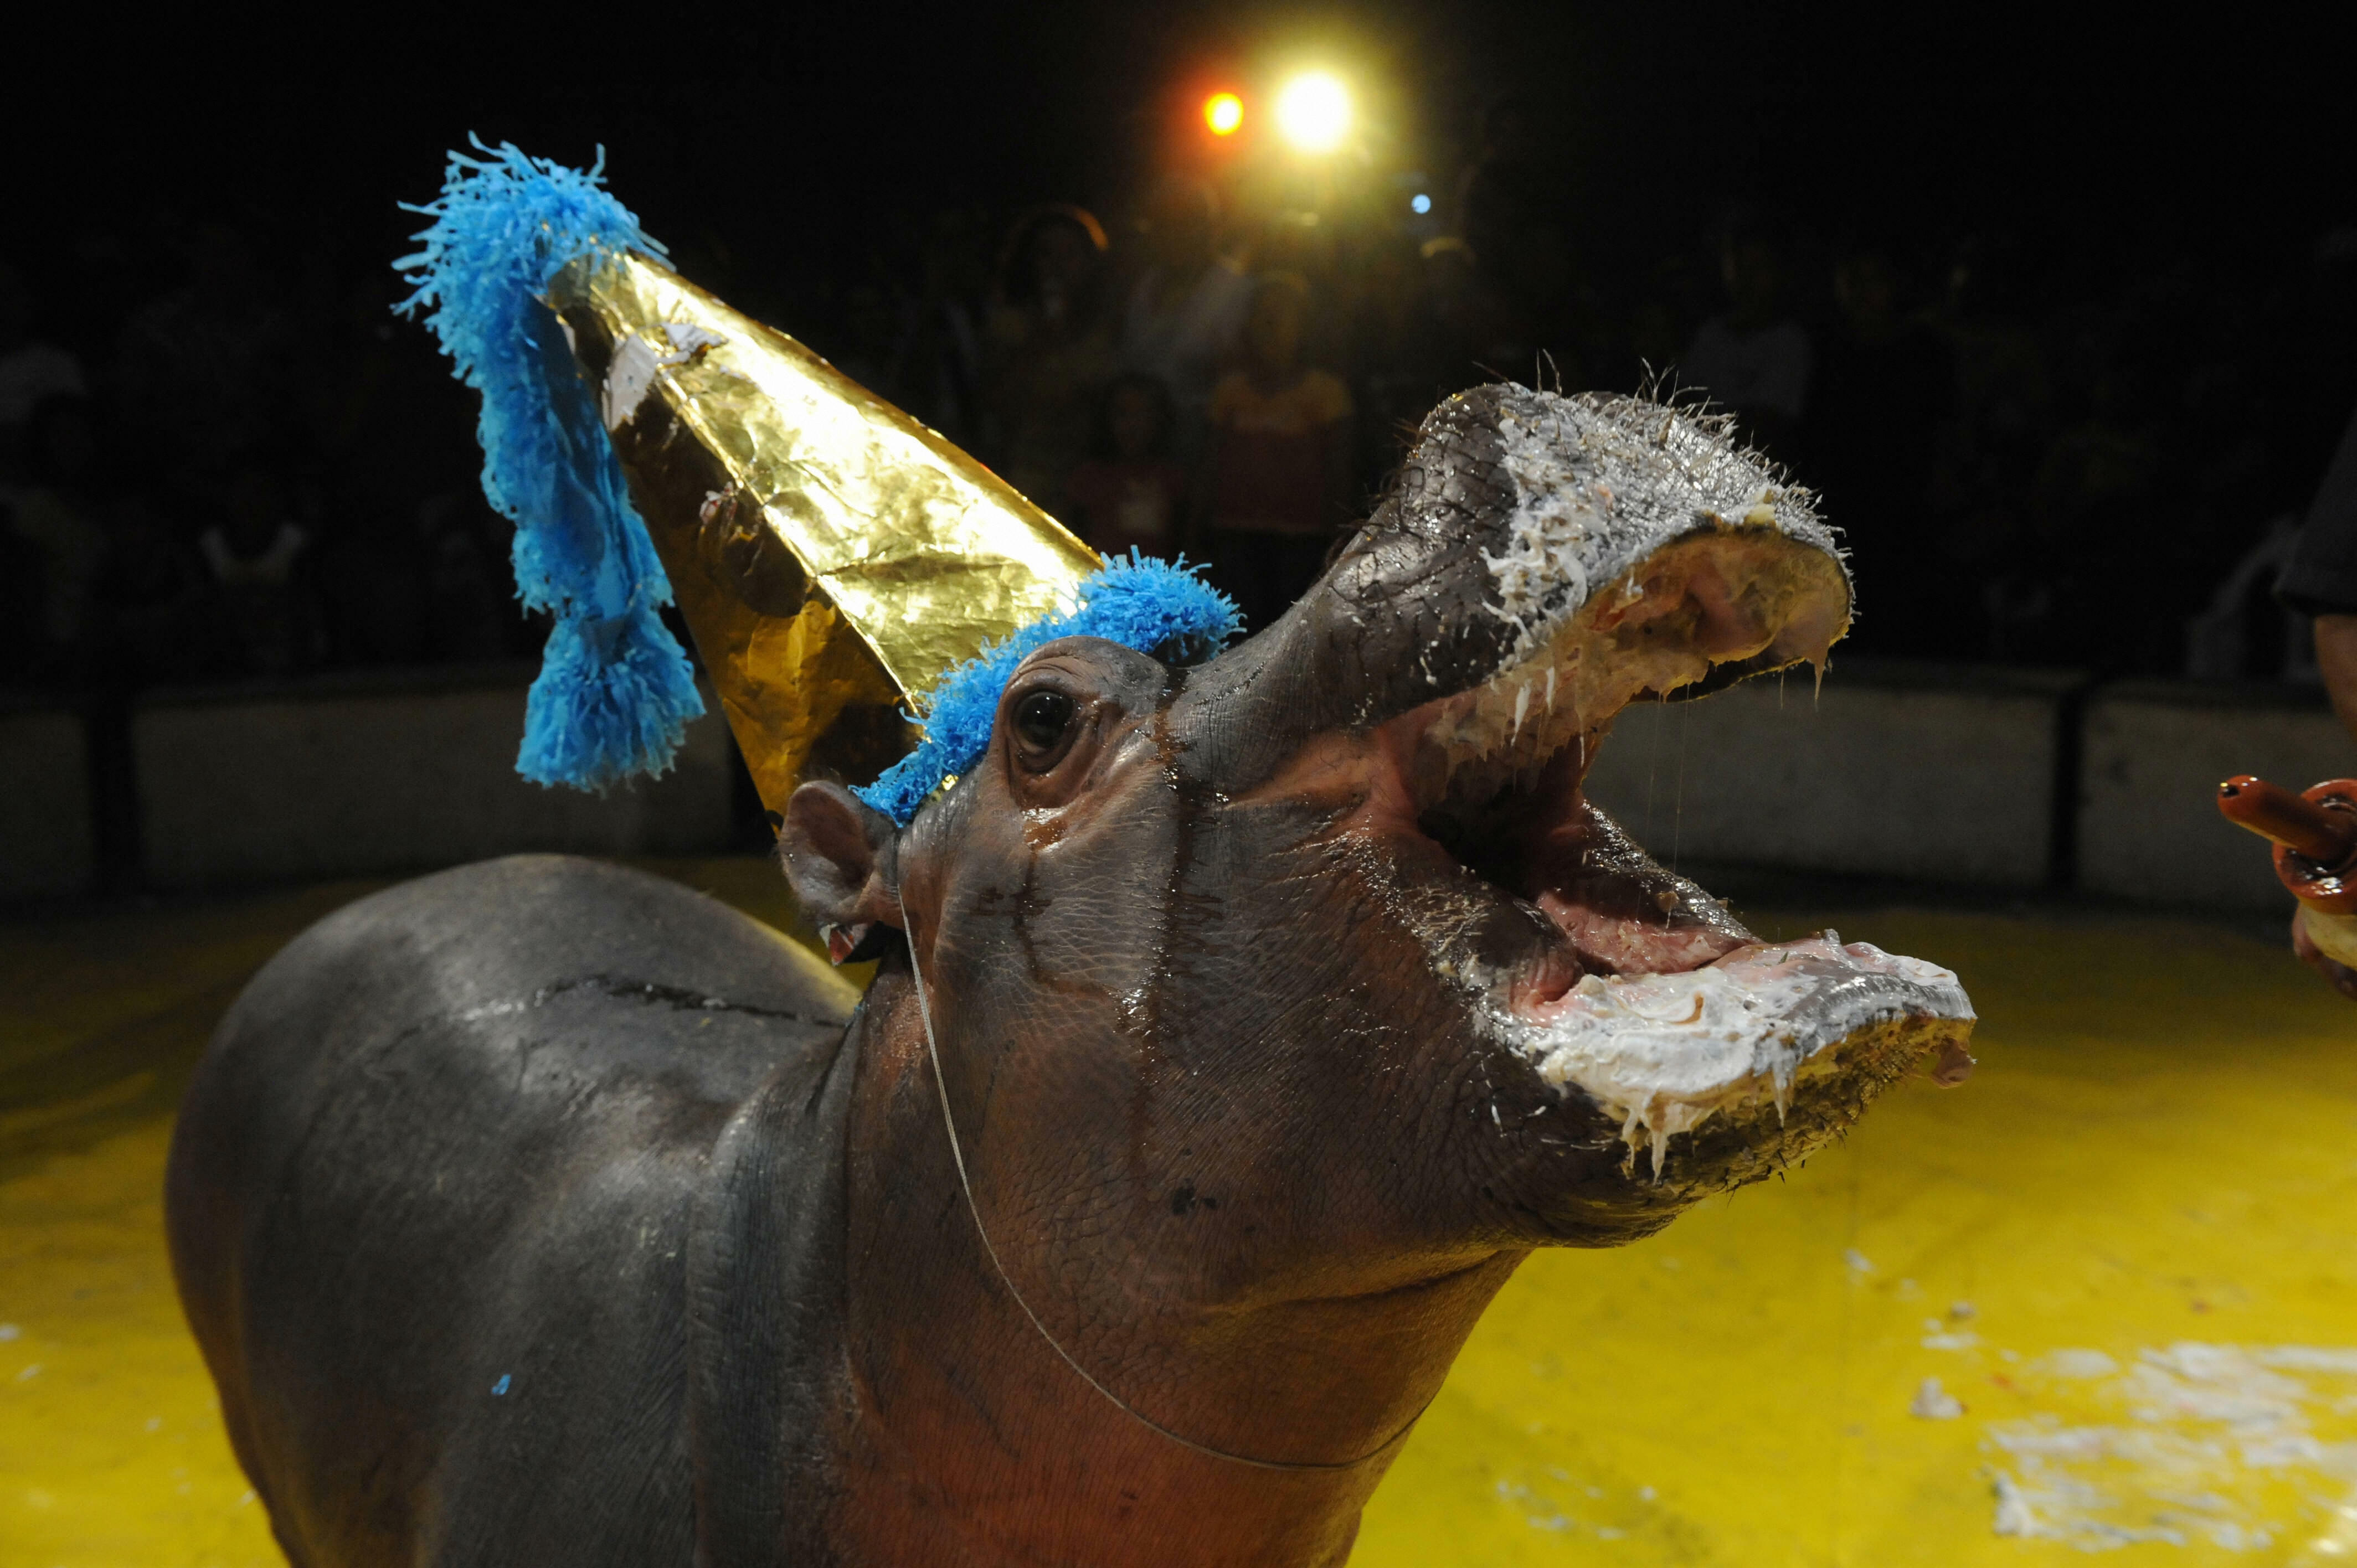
1621, 981
1663, 1051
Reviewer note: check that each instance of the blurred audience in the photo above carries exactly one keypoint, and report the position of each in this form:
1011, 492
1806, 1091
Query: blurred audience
2319, 579
1992, 450
32, 369
229, 461
262, 601
1754, 358
1048, 351
937, 368
151, 626
1277, 471
1883, 388
207, 369
2244, 632
1185, 312
1130, 494
57, 516
469, 611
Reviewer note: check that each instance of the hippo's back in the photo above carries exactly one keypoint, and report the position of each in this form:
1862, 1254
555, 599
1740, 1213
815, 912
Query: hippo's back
430, 1200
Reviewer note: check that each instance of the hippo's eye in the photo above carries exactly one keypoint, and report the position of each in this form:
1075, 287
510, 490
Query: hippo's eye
1043, 728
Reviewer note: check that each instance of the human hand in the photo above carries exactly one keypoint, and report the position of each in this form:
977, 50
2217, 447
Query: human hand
2343, 978
2315, 835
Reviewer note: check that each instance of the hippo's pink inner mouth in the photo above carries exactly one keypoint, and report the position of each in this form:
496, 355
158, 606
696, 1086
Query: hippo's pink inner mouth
1534, 836
1620, 978
1491, 777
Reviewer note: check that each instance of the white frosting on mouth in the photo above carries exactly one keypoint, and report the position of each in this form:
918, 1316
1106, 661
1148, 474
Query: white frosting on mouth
1661, 1052
1643, 548
1572, 532
1604, 580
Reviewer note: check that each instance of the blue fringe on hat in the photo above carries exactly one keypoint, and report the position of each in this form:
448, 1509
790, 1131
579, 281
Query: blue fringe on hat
615, 690
1140, 602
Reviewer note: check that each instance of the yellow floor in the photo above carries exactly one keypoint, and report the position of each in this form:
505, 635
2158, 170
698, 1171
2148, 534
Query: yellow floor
2127, 1251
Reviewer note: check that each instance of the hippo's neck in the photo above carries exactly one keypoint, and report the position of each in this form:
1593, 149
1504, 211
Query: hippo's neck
970, 1440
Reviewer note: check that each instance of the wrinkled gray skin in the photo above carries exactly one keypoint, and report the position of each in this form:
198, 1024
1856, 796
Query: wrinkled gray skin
541, 1212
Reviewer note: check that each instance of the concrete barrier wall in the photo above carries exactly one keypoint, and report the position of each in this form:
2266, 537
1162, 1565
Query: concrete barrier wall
1936, 773
1905, 771
47, 845
390, 775
2152, 760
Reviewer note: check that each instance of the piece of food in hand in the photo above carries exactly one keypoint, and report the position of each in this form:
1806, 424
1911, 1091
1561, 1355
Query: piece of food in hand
2333, 962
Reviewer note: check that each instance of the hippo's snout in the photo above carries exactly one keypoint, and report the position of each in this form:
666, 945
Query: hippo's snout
1545, 562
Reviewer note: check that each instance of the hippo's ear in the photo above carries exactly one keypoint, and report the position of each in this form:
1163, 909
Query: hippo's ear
837, 849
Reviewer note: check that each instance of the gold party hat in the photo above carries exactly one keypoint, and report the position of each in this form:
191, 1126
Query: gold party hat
831, 556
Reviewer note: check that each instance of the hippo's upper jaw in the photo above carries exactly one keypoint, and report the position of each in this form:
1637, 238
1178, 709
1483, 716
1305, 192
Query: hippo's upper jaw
1545, 562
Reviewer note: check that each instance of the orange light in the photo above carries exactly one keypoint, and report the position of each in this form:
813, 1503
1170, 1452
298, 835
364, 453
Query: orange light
1223, 111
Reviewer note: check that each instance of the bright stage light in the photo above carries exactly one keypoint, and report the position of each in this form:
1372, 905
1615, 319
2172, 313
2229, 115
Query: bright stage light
1314, 112
1223, 111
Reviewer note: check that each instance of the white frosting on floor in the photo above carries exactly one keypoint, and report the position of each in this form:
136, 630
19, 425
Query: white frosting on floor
2193, 1445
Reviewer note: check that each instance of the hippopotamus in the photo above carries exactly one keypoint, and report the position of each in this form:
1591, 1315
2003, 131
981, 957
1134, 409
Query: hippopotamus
1235, 1029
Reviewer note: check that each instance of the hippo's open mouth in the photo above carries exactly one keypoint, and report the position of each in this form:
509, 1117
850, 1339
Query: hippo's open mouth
1620, 978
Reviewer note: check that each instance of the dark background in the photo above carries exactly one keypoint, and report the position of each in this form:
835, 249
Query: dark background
2160, 208
792, 133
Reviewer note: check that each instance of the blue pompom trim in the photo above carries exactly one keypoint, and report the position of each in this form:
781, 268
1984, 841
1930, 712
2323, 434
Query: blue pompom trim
1140, 602
615, 690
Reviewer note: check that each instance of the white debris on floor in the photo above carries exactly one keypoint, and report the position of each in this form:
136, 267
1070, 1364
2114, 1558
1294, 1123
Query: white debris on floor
2236, 1446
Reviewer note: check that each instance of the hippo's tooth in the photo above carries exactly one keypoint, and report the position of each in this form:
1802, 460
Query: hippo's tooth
1522, 706
1550, 692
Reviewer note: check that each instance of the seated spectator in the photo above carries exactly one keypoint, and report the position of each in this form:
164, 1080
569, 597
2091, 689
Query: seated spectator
31, 371
208, 367
368, 566
2243, 633
1454, 320
938, 370
470, 615
149, 604
2320, 577
1987, 461
1654, 327
1276, 471
2092, 502
1184, 315
1049, 349
1883, 389
1395, 382
24, 646
263, 606
1130, 495
58, 519
1754, 358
